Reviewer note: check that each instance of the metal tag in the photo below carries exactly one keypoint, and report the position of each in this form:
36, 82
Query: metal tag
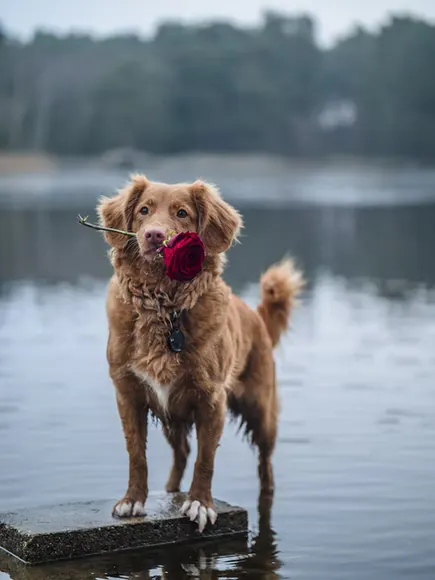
176, 340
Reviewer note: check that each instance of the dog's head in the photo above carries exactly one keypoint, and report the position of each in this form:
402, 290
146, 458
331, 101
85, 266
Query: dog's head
154, 210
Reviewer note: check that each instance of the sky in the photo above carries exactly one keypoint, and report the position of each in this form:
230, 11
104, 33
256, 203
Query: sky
103, 17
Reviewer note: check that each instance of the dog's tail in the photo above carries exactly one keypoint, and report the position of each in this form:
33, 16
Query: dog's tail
280, 285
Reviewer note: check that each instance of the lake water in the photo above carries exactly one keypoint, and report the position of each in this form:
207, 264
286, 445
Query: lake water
354, 464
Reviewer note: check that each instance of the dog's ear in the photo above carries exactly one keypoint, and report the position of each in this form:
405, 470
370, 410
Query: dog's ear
118, 212
219, 224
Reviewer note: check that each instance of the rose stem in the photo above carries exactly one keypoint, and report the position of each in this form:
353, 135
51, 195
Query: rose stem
83, 221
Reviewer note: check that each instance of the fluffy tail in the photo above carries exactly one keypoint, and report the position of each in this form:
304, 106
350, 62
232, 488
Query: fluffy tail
280, 285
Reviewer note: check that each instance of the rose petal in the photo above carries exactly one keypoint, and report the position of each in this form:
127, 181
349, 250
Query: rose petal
183, 256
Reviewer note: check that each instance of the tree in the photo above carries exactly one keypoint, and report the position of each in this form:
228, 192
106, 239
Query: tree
221, 87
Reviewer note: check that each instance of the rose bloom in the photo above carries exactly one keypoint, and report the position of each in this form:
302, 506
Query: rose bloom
183, 256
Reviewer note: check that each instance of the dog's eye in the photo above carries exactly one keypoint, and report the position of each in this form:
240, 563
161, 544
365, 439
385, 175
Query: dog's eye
181, 213
143, 210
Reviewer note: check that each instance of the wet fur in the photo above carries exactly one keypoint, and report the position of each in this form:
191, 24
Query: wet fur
228, 361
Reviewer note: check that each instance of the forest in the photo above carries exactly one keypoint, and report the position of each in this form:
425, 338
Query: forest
218, 87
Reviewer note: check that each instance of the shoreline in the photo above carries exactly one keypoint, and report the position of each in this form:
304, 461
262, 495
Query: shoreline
16, 163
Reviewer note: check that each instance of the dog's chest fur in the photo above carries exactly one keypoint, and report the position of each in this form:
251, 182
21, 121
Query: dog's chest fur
161, 392
153, 361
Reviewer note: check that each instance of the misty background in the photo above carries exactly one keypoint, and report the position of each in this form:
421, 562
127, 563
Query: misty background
221, 87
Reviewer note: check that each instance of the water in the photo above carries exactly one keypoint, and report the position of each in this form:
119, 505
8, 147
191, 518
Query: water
355, 476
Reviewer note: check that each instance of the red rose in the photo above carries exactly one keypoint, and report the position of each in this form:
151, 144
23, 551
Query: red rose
183, 256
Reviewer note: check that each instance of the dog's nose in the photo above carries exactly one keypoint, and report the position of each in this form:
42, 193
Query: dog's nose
155, 236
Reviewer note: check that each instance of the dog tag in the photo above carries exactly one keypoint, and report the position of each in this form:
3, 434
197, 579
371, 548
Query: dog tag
176, 340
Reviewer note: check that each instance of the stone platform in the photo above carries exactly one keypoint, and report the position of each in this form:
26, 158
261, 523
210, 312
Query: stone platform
75, 530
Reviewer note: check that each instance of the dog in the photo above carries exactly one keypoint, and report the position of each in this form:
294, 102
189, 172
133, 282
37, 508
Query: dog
227, 363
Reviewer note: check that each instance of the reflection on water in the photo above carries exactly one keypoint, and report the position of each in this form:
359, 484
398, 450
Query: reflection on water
354, 466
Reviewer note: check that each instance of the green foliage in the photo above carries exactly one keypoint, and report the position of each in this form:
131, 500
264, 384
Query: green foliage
219, 87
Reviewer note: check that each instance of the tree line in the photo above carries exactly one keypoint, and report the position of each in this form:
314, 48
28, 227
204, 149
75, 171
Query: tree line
223, 88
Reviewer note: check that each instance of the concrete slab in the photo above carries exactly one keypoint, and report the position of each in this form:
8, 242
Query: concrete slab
203, 559
76, 530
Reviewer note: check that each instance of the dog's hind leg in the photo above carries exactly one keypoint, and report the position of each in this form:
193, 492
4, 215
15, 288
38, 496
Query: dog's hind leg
177, 436
261, 428
265, 440
255, 401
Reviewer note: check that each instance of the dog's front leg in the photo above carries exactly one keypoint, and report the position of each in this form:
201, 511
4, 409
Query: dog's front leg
133, 412
209, 422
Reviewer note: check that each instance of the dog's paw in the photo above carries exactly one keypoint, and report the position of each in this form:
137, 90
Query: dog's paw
199, 513
127, 508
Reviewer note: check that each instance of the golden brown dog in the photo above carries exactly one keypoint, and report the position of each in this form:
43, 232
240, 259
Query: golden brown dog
227, 362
